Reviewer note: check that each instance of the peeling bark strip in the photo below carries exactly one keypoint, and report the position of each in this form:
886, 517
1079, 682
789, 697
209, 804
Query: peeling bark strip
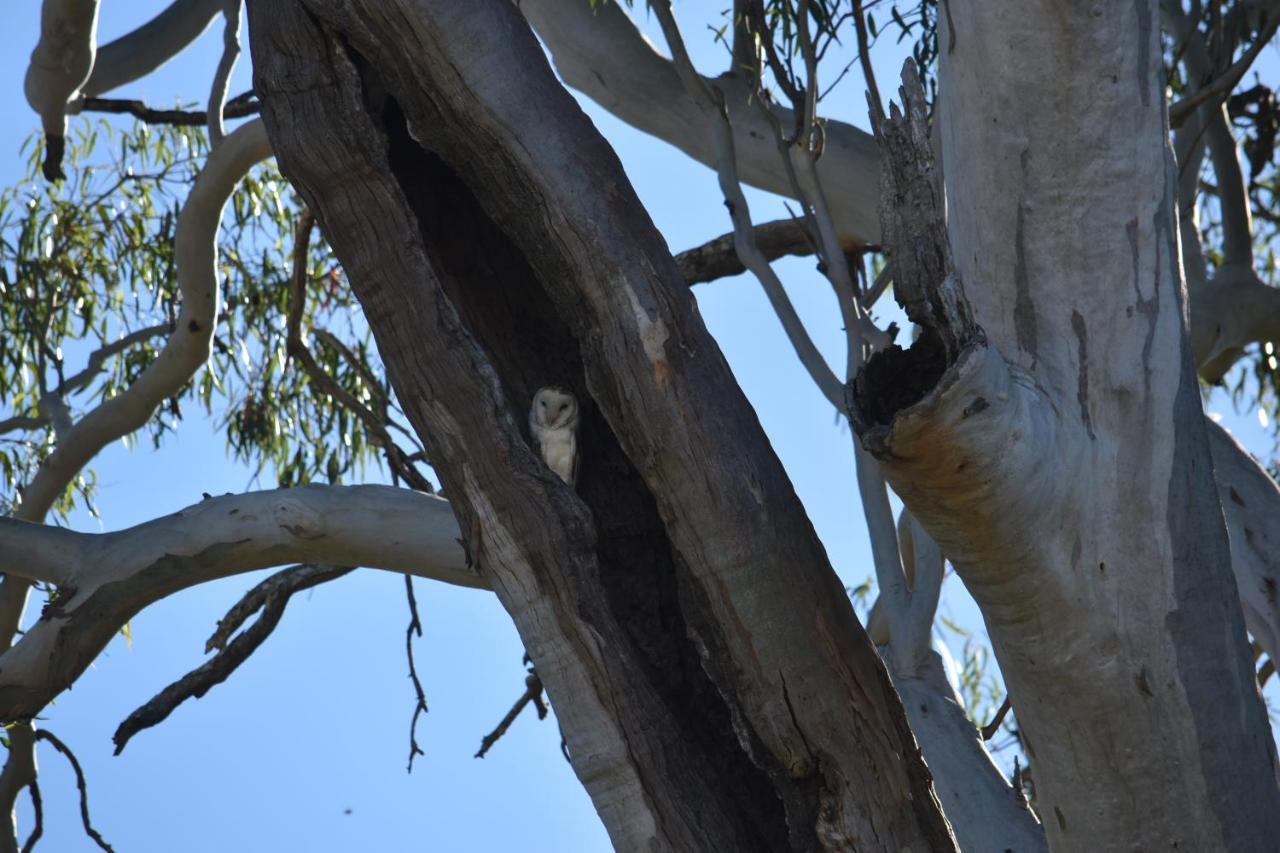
1077, 499
714, 686
925, 281
914, 223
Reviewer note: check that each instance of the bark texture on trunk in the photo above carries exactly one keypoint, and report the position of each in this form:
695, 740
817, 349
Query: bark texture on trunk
715, 689
1058, 454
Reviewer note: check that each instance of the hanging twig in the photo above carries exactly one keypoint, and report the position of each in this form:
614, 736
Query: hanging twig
50, 737
420, 696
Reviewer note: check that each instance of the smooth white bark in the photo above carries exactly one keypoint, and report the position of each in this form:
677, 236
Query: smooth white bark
185, 351
1251, 503
137, 54
62, 59
985, 811
600, 53
1088, 530
105, 578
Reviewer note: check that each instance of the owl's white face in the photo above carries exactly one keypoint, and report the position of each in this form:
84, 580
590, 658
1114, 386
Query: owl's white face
554, 408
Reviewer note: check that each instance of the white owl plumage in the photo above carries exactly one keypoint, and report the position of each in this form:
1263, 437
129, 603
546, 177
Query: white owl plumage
553, 424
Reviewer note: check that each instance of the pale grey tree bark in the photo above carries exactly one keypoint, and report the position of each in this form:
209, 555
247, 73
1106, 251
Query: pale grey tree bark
1059, 452
1060, 430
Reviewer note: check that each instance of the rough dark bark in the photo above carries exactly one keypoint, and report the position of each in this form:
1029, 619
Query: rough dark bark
715, 688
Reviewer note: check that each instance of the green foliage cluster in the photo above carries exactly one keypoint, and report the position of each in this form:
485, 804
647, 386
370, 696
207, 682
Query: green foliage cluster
89, 261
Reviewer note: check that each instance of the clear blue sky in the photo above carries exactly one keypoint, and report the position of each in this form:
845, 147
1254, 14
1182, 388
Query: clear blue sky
304, 748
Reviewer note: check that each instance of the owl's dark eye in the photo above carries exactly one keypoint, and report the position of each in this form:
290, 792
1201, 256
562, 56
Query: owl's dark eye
564, 406
542, 403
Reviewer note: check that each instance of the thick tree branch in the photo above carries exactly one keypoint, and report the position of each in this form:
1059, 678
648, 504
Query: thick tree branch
109, 577
600, 53
23, 423
136, 54
717, 258
465, 92
1251, 503
1061, 462
60, 64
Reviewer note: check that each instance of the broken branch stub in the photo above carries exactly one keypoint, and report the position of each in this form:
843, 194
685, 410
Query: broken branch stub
926, 284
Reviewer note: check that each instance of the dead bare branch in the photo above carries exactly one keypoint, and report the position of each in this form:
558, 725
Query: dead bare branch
1216, 92
37, 823
420, 704
81, 784
990, 729
241, 106
286, 581
717, 258
397, 459
200, 680
532, 693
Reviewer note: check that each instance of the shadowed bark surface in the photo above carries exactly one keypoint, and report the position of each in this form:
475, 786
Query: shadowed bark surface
715, 689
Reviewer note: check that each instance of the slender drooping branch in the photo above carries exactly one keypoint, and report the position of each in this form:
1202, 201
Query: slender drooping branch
186, 350
376, 423
226, 65
912, 643
98, 358
19, 773
419, 694
271, 596
712, 104
82, 785
37, 819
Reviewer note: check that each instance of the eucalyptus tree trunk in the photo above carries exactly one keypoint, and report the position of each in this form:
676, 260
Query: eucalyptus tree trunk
714, 688
1048, 431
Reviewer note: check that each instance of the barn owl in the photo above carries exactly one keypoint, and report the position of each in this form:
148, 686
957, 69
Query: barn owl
553, 423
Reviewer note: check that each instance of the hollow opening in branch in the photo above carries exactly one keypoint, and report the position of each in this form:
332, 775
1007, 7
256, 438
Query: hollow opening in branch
510, 313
